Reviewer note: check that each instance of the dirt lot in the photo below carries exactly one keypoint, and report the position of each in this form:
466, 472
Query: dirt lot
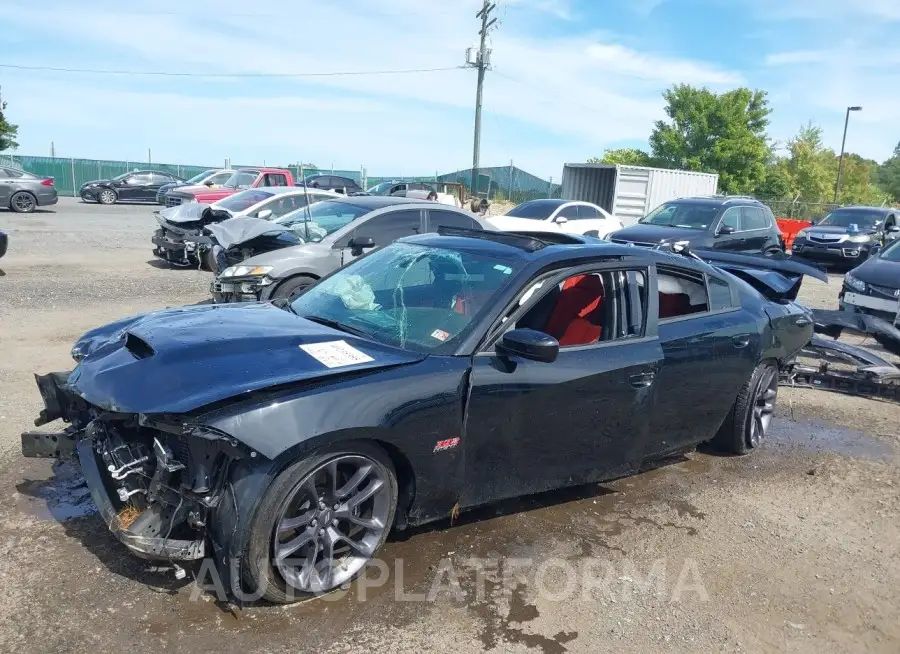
792, 549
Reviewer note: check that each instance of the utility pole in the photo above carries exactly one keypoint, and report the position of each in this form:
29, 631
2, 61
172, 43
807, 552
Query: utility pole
482, 61
837, 186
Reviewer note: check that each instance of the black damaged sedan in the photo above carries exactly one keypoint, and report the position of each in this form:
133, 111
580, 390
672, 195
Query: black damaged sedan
439, 373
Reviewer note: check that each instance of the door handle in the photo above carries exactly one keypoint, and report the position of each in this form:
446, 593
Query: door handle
642, 379
803, 321
741, 340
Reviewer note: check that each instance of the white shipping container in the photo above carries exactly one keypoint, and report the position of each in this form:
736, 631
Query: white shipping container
631, 192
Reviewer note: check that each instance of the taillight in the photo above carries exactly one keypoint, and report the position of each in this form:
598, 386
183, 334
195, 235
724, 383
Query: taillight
47, 182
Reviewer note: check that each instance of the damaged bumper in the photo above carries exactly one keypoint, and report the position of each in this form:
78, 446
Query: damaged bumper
156, 484
178, 249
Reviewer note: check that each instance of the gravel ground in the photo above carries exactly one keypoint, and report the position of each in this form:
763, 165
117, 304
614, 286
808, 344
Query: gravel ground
791, 549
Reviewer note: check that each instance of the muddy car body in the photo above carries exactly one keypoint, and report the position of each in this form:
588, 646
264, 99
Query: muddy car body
438, 373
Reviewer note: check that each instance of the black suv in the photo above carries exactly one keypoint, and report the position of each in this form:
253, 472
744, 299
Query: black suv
336, 183
729, 223
845, 236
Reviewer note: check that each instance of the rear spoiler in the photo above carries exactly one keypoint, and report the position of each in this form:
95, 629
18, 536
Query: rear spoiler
778, 277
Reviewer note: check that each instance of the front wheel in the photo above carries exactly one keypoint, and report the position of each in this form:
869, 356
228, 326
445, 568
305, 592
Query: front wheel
750, 417
291, 289
107, 196
320, 522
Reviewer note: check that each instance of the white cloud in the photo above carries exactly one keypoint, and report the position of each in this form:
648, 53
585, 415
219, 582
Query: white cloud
573, 94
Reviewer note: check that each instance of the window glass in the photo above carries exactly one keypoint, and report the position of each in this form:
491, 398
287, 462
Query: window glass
198, 179
864, 219
681, 293
719, 294
242, 179
586, 212
535, 209
3, 174
433, 300
686, 215
244, 200
139, 179
437, 218
321, 219
753, 218
732, 218
220, 178
274, 179
388, 227
160, 178
569, 213
286, 204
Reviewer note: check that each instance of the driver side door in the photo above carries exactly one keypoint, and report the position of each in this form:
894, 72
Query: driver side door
130, 187
534, 426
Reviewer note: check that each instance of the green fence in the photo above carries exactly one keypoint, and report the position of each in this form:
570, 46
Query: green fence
504, 182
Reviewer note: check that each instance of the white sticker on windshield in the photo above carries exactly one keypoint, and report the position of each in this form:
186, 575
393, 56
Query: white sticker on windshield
335, 354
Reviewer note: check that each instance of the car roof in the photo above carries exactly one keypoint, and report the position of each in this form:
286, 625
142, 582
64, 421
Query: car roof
863, 208
715, 200
279, 190
373, 202
547, 201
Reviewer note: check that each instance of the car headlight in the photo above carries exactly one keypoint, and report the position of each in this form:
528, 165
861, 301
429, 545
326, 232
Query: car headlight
802, 233
854, 283
246, 271
862, 238
78, 351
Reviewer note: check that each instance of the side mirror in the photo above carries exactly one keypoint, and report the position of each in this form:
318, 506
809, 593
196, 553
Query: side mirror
893, 229
874, 250
265, 214
360, 243
529, 344
208, 182
560, 220
725, 230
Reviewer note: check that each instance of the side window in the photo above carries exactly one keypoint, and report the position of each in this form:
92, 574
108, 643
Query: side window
286, 204
590, 308
681, 293
388, 227
587, 213
139, 179
569, 213
437, 218
220, 178
159, 178
719, 293
732, 218
3, 174
398, 188
274, 179
753, 218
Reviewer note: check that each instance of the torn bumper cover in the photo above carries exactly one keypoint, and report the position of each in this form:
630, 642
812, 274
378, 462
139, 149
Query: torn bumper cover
845, 368
155, 482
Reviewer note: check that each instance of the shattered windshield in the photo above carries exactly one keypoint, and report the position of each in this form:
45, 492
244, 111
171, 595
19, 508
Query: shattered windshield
422, 299
862, 219
320, 219
684, 215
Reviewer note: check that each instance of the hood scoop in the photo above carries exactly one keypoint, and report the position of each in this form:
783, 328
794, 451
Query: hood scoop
138, 347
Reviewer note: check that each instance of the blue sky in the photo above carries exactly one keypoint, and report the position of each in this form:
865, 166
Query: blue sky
570, 78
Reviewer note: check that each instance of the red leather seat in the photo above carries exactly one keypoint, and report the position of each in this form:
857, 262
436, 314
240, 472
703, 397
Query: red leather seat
672, 305
573, 320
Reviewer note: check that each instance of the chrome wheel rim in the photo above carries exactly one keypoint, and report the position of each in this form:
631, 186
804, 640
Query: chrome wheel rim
23, 202
107, 197
332, 523
763, 406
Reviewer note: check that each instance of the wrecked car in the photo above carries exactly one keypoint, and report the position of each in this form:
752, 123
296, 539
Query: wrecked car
873, 287
436, 374
333, 233
846, 235
182, 239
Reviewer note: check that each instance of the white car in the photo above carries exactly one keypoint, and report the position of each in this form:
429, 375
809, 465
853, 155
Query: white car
270, 202
558, 216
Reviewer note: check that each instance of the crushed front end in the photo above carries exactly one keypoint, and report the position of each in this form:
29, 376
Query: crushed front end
155, 480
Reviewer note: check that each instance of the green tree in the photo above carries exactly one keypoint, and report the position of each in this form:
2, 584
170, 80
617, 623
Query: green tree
888, 176
624, 157
8, 131
812, 167
858, 182
723, 133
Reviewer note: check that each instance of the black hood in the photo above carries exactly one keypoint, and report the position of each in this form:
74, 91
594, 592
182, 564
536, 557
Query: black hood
836, 229
879, 272
645, 233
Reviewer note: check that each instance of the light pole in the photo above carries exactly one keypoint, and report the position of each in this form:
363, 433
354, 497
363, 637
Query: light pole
837, 186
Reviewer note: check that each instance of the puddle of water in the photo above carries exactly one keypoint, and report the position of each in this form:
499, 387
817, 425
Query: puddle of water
822, 437
63, 496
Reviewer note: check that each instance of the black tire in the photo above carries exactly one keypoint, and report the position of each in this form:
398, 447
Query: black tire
258, 570
773, 252
23, 202
107, 196
208, 261
736, 435
293, 287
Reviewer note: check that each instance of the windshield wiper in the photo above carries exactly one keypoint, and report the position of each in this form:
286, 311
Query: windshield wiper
334, 324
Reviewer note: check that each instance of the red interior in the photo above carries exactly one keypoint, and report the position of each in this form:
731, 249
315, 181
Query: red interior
575, 318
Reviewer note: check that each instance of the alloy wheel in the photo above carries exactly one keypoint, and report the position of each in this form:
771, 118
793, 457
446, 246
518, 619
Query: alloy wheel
763, 406
23, 202
332, 523
107, 197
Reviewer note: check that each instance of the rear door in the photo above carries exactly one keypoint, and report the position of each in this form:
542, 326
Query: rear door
384, 228
444, 218
756, 229
729, 242
134, 187
6, 188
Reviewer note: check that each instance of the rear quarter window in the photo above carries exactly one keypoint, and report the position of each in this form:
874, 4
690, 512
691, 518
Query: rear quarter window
719, 294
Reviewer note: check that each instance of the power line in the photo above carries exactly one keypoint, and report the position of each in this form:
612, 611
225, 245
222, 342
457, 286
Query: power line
160, 73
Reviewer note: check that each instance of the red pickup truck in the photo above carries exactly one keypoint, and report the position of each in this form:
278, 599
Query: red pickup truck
242, 179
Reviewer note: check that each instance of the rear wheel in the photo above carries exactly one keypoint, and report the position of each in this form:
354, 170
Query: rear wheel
320, 522
107, 196
291, 289
748, 422
22, 202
